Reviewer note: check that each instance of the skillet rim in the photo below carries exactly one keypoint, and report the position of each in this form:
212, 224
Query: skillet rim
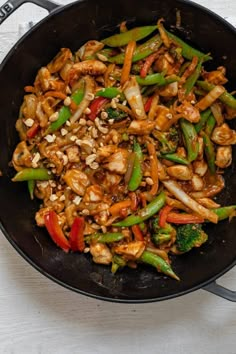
27, 258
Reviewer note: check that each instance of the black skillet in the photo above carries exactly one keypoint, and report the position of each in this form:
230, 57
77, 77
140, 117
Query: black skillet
70, 26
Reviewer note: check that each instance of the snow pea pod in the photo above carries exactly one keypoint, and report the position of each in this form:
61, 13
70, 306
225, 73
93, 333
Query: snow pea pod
29, 174
226, 97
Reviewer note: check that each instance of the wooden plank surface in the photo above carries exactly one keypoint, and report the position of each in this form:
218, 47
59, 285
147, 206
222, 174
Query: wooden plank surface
40, 317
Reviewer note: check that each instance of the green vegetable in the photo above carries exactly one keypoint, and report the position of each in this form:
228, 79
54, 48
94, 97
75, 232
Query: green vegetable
31, 186
156, 79
110, 92
108, 237
141, 52
65, 113
190, 138
189, 236
168, 140
210, 125
192, 79
117, 262
116, 113
226, 97
159, 263
175, 158
135, 34
204, 117
29, 174
225, 212
188, 52
137, 175
145, 213
160, 235
209, 152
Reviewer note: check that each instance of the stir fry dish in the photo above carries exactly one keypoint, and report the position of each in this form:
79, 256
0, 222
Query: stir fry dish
125, 142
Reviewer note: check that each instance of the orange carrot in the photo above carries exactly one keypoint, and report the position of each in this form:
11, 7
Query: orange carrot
127, 61
115, 208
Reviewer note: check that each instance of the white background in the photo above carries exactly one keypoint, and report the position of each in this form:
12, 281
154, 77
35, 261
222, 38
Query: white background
38, 316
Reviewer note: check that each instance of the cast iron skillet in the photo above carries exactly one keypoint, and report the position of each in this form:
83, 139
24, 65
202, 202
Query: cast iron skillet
71, 26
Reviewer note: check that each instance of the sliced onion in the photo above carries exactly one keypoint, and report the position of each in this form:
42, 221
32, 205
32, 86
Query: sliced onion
133, 95
217, 113
210, 98
89, 89
174, 188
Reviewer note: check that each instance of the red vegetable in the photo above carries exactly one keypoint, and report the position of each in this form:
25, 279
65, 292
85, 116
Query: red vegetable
32, 131
77, 235
148, 104
163, 215
138, 235
96, 106
147, 64
177, 218
55, 231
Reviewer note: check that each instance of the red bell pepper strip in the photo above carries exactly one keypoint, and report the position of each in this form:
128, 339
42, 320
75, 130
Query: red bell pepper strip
138, 235
148, 104
177, 218
96, 106
32, 131
55, 231
147, 64
77, 235
163, 215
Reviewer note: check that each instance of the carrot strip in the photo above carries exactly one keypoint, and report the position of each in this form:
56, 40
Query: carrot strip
163, 215
127, 61
29, 89
138, 235
116, 208
56, 94
154, 168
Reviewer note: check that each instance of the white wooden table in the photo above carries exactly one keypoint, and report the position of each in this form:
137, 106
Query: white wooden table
40, 317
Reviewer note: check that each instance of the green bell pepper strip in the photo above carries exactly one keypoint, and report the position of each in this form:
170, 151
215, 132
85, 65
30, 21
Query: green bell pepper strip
190, 138
110, 92
210, 125
108, 237
159, 263
141, 52
31, 186
209, 152
175, 158
145, 213
65, 113
156, 79
135, 34
137, 175
204, 117
36, 174
225, 212
192, 79
226, 97
188, 52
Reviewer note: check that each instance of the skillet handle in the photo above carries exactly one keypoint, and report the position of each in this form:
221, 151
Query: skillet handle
219, 290
10, 6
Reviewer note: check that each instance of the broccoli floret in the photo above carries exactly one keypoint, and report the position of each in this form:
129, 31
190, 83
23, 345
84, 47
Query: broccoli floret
189, 236
168, 140
116, 114
159, 234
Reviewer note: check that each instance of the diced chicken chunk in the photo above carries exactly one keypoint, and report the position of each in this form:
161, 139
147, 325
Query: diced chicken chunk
118, 161
101, 253
223, 156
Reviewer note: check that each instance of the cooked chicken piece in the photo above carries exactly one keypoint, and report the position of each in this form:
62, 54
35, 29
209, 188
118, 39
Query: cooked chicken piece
70, 212
106, 151
223, 156
118, 161
22, 156
164, 118
93, 194
43, 78
216, 77
41, 116
167, 64
132, 250
197, 183
59, 61
101, 253
170, 90
39, 216
223, 135
43, 190
230, 113
182, 173
88, 67
141, 127
29, 106
77, 181
189, 112
200, 167
89, 49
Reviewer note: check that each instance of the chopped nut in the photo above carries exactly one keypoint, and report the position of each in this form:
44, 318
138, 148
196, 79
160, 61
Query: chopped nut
73, 138
138, 112
87, 111
68, 90
104, 115
169, 116
82, 121
29, 122
67, 101
94, 132
101, 57
104, 229
50, 138
90, 159
68, 123
35, 160
64, 131
94, 165
65, 159
90, 96
95, 226
54, 117
149, 181
53, 197
111, 121
85, 211
62, 198
113, 104
77, 200
86, 250
102, 129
